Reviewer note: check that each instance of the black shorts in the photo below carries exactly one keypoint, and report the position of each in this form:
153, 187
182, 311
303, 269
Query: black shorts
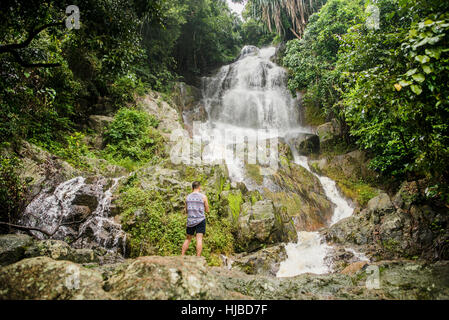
199, 228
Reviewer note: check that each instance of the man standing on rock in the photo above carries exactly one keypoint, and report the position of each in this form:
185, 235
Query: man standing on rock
196, 206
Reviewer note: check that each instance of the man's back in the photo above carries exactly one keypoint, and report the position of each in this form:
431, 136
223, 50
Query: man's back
195, 208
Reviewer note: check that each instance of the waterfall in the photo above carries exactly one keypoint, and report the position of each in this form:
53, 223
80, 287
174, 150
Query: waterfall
60, 210
309, 254
249, 99
246, 98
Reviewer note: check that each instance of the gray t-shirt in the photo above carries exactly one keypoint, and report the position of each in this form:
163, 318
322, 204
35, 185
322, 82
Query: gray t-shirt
195, 209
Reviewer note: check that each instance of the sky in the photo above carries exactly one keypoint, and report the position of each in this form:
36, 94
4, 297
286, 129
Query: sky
236, 7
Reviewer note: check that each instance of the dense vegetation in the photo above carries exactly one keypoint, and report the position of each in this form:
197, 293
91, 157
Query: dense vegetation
387, 86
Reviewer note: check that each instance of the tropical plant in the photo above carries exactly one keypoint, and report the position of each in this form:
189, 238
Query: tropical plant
275, 13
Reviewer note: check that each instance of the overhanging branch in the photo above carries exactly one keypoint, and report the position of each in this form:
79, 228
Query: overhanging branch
13, 47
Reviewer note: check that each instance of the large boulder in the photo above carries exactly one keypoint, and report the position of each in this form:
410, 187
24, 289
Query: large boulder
13, 247
60, 250
263, 223
351, 173
388, 232
48, 279
352, 165
328, 131
43, 170
306, 143
87, 196
99, 123
263, 262
169, 119
165, 278
302, 194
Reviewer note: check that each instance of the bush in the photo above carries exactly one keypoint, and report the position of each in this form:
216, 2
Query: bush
132, 138
12, 189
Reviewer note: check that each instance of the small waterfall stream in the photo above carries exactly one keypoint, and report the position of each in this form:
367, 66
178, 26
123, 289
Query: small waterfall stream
310, 252
78, 212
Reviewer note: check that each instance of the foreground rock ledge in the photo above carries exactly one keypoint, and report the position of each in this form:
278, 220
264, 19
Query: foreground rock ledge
156, 277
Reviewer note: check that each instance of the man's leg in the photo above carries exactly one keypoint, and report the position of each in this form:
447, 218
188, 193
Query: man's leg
186, 244
199, 244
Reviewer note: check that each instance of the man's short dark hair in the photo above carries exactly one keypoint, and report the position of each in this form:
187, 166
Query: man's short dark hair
195, 185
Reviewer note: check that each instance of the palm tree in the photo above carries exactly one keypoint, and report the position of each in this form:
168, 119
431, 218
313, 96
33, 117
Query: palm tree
298, 11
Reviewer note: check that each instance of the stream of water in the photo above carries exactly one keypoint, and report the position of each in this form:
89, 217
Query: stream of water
57, 210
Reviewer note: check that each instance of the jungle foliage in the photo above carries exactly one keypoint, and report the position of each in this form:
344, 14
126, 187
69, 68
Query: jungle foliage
387, 86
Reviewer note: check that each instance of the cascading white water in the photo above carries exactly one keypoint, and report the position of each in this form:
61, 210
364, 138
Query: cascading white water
245, 97
55, 210
309, 254
248, 98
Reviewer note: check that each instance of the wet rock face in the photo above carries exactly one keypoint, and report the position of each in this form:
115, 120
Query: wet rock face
352, 165
263, 223
306, 144
77, 211
303, 196
87, 196
187, 100
390, 232
42, 169
397, 280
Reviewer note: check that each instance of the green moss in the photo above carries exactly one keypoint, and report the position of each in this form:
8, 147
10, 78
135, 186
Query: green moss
132, 140
314, 116
255, 196
235, 201
359, 191
253, 171
391, 245
315, 168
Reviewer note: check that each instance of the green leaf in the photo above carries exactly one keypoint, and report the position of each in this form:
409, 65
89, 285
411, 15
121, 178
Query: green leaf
421, 43
419, 77
427, 69
411, 72
422, 59
434, 53
405, 83
434, 40
416, 89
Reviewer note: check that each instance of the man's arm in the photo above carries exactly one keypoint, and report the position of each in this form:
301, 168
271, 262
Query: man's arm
185, 207
206, 204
